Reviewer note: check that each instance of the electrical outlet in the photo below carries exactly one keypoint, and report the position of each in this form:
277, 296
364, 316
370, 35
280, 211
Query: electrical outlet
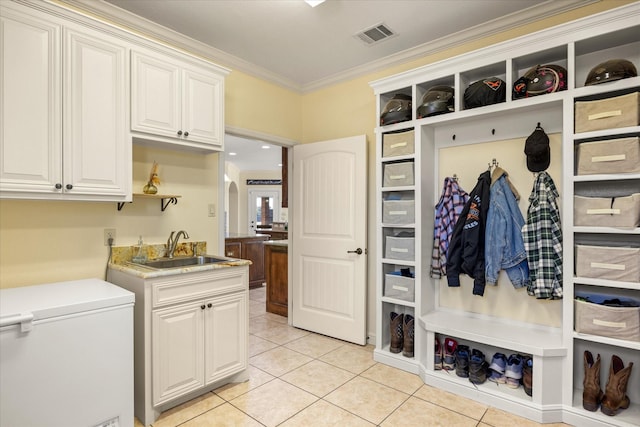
109, 233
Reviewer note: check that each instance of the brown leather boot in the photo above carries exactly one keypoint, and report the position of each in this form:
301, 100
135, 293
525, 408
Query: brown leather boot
407, 350
592, 393
615, 394
397, 335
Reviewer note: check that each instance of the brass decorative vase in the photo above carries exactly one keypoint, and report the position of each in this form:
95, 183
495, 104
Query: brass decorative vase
150, 188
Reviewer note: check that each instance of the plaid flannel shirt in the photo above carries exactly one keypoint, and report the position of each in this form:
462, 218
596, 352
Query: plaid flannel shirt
542, 235
447, 211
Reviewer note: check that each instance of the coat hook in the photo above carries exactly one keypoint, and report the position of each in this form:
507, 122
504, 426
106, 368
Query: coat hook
455, 177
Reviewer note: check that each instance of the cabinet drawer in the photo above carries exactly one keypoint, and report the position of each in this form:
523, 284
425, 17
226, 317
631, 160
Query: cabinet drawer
187, 287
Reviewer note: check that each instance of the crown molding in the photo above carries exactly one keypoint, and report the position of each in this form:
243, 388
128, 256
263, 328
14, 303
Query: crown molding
149, 29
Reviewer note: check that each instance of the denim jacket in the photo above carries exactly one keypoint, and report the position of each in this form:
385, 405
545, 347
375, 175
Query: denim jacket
504, 246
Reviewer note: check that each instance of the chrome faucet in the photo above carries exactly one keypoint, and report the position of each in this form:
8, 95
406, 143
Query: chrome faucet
173, 242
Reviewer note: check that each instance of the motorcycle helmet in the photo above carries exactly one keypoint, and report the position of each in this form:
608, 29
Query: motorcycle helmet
539, 80
608, 71
396, 110
484, 92
437, 100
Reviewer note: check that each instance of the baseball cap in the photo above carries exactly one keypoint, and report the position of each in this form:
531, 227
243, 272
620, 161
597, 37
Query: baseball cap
537, 150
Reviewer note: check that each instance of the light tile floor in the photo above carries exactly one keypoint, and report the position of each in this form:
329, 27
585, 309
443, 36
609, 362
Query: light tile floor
302, 379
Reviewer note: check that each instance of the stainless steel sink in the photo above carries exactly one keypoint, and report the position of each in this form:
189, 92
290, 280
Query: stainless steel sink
162, 263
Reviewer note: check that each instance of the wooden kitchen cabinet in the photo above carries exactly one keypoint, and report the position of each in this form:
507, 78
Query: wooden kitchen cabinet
178, 101
190, 334
65, 93
251, 248
277, 265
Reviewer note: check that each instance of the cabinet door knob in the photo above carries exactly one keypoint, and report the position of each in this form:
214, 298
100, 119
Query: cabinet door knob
210, 305
69, 186
58, 186
202, 306
186, 134
179, 132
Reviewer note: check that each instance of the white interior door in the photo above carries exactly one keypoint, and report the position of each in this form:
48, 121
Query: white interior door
329, 262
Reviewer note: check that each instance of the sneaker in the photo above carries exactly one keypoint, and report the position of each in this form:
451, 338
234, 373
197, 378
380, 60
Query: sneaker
497, 368
478, 367
527, 375
449, 361
437, 358
462, 361
513, 371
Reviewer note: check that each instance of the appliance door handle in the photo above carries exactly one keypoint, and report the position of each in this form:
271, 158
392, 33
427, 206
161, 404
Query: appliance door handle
24, 319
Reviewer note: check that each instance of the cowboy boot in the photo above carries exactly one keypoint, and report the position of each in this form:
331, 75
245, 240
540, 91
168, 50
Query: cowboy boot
408, 335
615, 394
396, 332
592, 393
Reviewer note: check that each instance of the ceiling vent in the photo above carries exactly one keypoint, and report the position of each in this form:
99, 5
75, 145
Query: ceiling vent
375, 34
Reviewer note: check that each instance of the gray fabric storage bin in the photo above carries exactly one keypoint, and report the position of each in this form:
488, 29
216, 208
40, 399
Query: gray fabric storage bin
612, 156
398, 174
607, 262
399, 287
607, 211
398, 144
610, 113
401, 248
399, 212
613, 322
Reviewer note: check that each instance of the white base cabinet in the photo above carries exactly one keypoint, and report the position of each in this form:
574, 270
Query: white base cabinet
542, 330
191, 335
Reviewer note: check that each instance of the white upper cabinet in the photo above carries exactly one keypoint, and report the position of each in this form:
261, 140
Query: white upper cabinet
97, 150
57, 143
30, 92
176, 102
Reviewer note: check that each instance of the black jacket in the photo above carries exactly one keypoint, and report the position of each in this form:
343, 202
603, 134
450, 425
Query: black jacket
466, 249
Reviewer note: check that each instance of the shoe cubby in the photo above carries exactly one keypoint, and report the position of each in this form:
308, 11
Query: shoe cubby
488, 351
443, 145
624, 417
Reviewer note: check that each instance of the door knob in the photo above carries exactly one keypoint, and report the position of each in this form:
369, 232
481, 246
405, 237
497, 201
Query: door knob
69, 186
186, 134
357, 251
179, 132
58, 186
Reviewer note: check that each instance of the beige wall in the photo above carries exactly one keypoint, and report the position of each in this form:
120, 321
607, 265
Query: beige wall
44, 241
47, 241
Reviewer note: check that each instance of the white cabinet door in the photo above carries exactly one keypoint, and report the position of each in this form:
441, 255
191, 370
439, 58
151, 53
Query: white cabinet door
97, 148
155, 96
30, 85
226, 336
202, 112
176, 101
177, 351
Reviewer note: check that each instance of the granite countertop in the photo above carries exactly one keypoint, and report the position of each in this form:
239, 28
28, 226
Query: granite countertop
243, 235
121, 260
277, 242
142, 271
